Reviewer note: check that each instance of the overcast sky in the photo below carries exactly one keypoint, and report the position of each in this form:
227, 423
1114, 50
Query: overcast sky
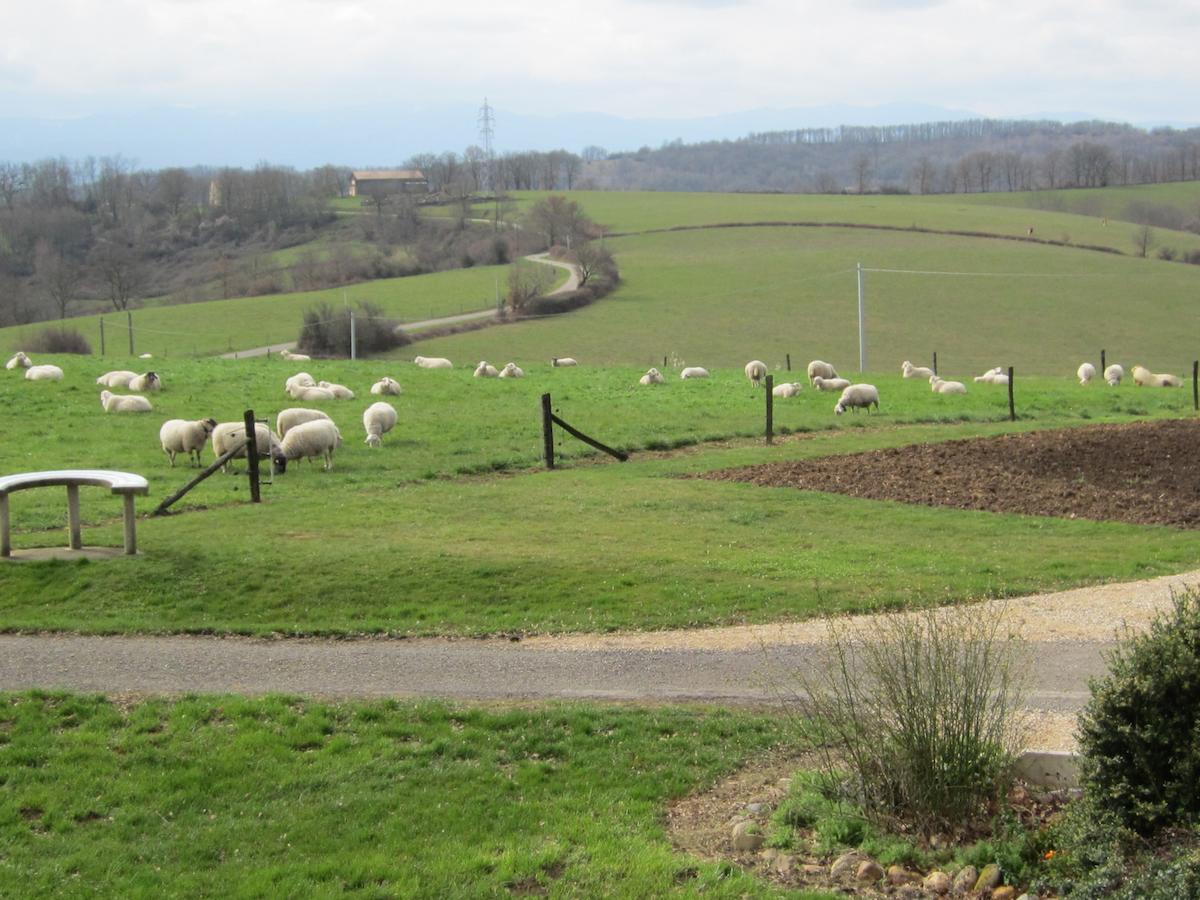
1130, 61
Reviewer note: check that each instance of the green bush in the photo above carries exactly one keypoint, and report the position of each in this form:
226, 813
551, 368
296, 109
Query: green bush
1139, 736
326, 331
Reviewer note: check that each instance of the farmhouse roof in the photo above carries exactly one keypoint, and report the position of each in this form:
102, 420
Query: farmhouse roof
389, 175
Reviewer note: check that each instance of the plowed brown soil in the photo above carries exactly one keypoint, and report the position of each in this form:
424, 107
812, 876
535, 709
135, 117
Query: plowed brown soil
1146, 473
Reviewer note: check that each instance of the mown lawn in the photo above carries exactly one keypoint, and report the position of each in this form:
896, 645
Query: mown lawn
289, 797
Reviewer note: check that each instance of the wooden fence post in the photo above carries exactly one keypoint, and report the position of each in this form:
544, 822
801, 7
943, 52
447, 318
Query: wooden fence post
1102, 365
1012, 410
789, 362
770, 407
934, 362
102, 335
129, 319
252, 454
1196, 385
548, 431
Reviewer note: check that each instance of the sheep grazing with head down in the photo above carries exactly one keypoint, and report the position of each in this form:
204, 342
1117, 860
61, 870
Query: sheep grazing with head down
911, 371
941, 386
295, 415
486, 370
820, 369
652, 376
387, 386
19, 361
310, 440
830, 384
512, 370
378, 418
123, 403
1143, 377
1085, 373
228, 435
433, 362
858, 396
146, 382
1113, 374
117, 379
756, 371
694, 372
182, 436
787, 389
559, 361
44, 373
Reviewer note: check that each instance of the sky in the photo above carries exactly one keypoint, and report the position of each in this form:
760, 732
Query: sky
1112, 59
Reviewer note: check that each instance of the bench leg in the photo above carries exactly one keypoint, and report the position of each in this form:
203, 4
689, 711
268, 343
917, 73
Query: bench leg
73, 516
5, 537
130, 527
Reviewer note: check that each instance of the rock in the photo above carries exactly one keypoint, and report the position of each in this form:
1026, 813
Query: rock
938, 883
910, 892
746, 837
784, 864
756, 808
1004, 892
989, 878
868, 870
899, 875
812, 870
1028, 897
965, 879
846, 864
769, 854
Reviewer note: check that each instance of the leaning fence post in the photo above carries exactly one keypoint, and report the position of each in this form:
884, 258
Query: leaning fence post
770, 407
547, 432
1012, 410
252, 454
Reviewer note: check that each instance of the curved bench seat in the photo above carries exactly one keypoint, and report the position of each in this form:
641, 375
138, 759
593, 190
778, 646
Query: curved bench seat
126, 484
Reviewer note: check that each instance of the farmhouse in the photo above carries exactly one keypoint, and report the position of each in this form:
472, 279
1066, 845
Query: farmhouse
386, 182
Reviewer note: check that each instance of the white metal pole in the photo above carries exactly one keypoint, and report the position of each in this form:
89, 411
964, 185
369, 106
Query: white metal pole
862, 322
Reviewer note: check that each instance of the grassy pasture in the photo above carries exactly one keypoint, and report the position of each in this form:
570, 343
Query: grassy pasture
1113, 203
279, 796
722, 296
386, 544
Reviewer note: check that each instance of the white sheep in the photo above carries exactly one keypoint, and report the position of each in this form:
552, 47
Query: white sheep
145, 356
694, 372
756, 371
312, 394
378, 418
285, 353
990, 376
295, 415
387, 385
941, 386
340, 391
148, 381
182, 436
228, 435
310, 440
652, 376
19, 361
787, 389
1085, 373
1142, 377
560, 361
116, 379
124, 402
299, 380
1113, 374
858, 396
486, 370
911, 371
44, 373
433, 362
830, 384
818, 368
512, 370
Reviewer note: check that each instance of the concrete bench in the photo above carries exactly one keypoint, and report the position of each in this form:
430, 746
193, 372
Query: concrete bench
124, 483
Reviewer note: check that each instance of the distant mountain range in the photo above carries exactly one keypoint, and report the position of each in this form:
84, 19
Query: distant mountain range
377, 137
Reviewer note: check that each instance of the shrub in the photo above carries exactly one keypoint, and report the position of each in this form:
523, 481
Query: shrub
59, 339
1138, 738
923, 711
326, 331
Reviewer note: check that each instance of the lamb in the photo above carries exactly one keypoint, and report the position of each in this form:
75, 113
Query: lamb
1113, 374
756, 371
309, 440
830, 384
1085, 373
295, 415
285, 353
387, 385
340, 391
124, 402
512, 370
117, 379
181, 436
19, 361
433, 362
44, 373
1142, 377
486, 370
941, 386
228, 435
145, 382
652, 376
299, 380
312, 394
858, 395
787, 389
563, 361
694, 372
818, 368
911, 371
378, 418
